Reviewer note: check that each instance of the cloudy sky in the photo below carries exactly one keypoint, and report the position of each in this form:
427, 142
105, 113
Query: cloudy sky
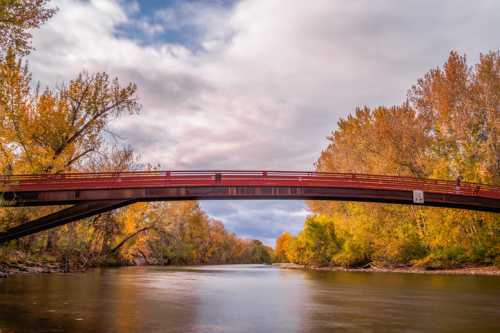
255, 84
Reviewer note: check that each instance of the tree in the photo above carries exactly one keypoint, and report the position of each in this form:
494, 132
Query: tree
17, 18
55, 131
283, 244
67, 129
460, 107
447, 127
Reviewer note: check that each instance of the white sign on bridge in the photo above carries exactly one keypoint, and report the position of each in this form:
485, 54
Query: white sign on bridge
418, 196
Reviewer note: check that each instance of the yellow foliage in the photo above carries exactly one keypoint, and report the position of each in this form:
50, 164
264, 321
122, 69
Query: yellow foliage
448, 127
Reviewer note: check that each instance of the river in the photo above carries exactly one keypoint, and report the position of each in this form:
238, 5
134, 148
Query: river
247, 298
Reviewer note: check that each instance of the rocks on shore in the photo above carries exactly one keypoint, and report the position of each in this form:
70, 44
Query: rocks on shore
27, 267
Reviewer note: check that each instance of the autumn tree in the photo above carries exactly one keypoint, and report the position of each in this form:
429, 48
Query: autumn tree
459, 107
67, 129
282, 247
447, 127
53, 131
17, 19
56, 130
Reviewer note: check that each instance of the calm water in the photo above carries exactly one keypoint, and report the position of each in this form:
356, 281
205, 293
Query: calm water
247, 299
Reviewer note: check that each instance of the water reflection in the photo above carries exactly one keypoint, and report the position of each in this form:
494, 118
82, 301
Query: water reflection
249, 299
246, 298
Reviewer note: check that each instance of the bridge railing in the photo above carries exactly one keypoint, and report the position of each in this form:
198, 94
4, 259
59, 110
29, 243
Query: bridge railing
246, 177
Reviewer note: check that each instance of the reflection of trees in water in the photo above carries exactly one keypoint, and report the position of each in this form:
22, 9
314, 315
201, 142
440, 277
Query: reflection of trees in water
97, 301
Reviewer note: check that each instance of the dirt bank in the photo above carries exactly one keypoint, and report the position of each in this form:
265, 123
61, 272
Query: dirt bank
484, 270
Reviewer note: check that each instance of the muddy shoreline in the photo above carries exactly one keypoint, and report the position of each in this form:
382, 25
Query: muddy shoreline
481, 270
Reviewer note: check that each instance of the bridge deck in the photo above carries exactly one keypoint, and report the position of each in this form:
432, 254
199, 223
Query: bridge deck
149, 179
94, 193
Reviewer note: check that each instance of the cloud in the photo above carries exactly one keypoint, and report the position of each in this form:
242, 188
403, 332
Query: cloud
267, 219
257, 83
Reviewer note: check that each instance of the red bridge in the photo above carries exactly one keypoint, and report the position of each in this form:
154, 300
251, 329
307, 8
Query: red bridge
94, 193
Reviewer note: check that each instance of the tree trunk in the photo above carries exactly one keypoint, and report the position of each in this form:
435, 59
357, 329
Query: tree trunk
126, 239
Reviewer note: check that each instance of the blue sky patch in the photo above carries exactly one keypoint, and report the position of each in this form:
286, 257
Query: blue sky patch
169, 21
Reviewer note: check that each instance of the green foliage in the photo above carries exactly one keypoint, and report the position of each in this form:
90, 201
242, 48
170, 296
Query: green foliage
443, 258
318, 240
352, 254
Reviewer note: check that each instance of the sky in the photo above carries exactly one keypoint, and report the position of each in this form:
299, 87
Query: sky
255, 84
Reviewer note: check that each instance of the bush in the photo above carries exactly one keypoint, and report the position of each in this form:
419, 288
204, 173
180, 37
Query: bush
351, 255
443, 258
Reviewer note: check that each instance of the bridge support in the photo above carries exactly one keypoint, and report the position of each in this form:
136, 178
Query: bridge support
61, 217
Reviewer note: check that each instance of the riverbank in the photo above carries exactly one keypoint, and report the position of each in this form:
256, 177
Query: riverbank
29, 267
19, 262
481, 270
